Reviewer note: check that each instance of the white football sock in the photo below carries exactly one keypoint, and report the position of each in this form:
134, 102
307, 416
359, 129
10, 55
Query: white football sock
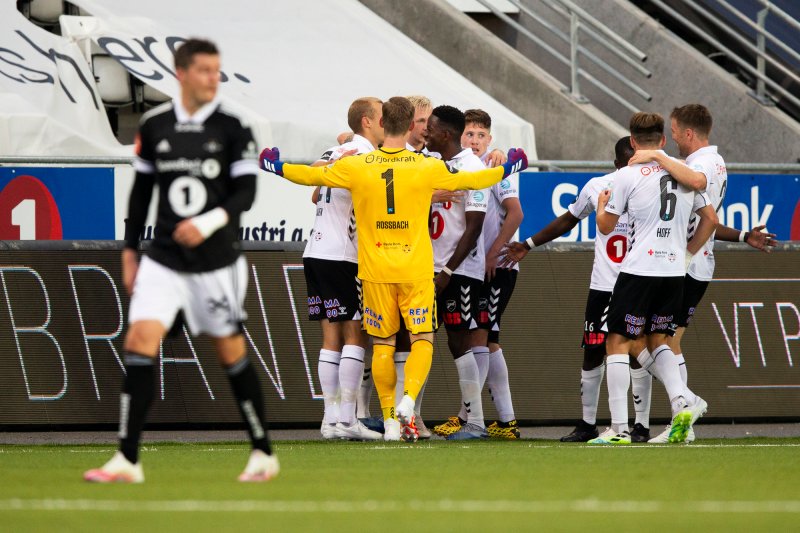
365, 393
470, 388
641, 388
418, 401
618, 378
400, 369
682, 368
481, 354
351, 370
663, 364
590, 392
328, 373
499, 387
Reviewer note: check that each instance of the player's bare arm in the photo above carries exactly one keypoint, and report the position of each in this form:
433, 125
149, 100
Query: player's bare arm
757, 237
513, 219
474, 224
442, 195
496, 158
606, 222
686, 176
515, 252
705, 228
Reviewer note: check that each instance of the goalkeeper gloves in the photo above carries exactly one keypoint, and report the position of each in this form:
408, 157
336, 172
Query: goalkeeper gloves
270, 161
517, 162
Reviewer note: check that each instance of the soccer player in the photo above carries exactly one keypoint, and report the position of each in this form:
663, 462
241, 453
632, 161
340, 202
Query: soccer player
503, 217
648, 291
691, 125
455, 229
202, 157
391, 189
330, 264
609, 251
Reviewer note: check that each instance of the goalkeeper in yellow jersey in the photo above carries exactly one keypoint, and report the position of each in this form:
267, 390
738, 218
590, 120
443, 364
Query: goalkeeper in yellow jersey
391, 189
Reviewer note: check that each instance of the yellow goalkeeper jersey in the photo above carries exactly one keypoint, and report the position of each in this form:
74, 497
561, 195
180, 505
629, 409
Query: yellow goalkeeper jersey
391, 191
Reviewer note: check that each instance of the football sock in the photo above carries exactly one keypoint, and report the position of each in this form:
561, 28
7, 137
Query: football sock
470, 388
499, 387
417, 367
418, 400
138, 388
400, 359
365, 393
682, 368
618, 378
247, 391
641, 388
664, 365
328, 373
384, 377
481, 354
351, 369
590, 392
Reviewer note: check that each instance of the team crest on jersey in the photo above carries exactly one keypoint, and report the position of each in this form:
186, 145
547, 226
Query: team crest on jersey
163, 147
451, 305
210, 168
452, 169
212, 146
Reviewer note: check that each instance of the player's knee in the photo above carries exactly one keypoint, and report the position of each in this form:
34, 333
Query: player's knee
144, 337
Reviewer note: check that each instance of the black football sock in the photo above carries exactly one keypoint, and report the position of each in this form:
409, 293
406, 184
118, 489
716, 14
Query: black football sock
137, 395
247, 391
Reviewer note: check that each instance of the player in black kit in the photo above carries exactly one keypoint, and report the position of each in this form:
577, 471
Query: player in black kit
203, 159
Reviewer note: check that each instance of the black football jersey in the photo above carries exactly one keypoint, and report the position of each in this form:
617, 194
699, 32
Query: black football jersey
195, 161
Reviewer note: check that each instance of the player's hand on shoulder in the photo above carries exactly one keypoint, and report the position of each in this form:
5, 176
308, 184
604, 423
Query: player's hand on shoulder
643, 156
511, 254
442, 196
270, 160
759, 239
603, 198
496, 158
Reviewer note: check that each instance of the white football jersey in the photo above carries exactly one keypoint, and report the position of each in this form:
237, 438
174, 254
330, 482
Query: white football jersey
710, 163
495, 212
609, 250
334, 234
448, 222
658, 209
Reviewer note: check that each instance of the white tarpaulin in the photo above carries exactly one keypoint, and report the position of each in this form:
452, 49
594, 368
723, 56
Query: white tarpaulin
295, 66
49, 105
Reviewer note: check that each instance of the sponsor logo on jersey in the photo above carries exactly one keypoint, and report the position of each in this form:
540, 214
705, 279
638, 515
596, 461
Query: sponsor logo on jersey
191, 166
478, 196
505, 184
663, 233
250, 151
391, 224
407, 248
189, 127
372, 158
163, 147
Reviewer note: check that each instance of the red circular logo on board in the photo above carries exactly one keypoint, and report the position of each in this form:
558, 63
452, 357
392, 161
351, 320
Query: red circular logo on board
794, 229
28, 211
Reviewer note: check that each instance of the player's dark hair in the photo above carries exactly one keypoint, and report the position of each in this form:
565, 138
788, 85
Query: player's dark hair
185, 53
451, 119
623, 151
359, 109
693, 116
479, 117
398, 113
647, 128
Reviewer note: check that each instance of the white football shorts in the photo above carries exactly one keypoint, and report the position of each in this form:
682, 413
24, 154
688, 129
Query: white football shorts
212, 302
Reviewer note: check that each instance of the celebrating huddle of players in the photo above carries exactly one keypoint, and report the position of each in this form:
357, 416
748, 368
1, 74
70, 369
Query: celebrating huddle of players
414, 219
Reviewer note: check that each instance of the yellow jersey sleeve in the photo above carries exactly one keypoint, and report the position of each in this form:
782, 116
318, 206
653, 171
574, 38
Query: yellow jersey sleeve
336, 175
442, 177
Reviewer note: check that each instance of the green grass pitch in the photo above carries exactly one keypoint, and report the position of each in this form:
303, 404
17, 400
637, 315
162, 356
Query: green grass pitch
530, 485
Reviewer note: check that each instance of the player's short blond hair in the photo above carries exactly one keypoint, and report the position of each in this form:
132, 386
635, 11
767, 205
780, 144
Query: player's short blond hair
363, 107
420, 102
